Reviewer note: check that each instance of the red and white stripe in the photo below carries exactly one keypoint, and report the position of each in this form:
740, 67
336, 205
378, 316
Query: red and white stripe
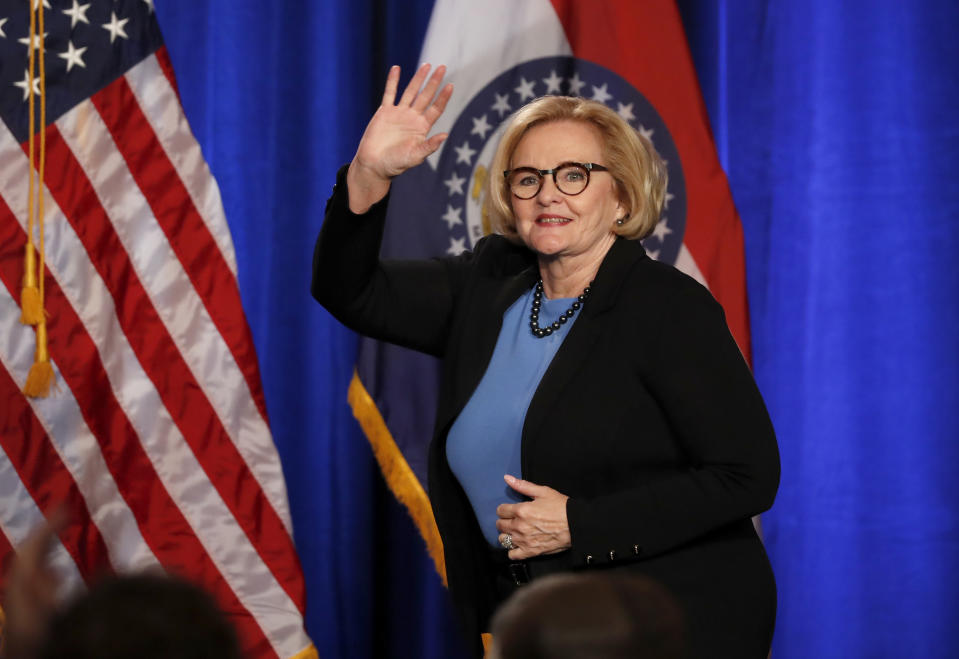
158, 439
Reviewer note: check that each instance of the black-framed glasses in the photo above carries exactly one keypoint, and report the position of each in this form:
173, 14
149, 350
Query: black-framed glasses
570, 178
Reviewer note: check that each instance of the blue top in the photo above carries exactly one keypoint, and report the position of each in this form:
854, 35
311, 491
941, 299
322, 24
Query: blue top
485, 440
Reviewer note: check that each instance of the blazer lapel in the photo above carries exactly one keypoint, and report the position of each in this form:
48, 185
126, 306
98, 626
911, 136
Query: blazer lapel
582, 336
482, 326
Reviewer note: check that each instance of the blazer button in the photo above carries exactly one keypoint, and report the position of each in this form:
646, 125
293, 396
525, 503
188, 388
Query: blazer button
612, 555
589, 559
636, 550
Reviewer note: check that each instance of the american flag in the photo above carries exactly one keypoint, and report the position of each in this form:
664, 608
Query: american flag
157, 441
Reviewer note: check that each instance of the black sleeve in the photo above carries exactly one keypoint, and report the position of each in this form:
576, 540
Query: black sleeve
409, 303
707, 393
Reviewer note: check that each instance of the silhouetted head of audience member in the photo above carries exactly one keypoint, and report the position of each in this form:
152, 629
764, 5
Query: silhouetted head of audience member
147, 616
589, 616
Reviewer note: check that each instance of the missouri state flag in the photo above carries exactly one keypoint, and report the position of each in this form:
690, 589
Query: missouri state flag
501, 54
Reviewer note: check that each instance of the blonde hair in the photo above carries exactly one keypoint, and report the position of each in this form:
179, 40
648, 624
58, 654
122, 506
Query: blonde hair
632, 161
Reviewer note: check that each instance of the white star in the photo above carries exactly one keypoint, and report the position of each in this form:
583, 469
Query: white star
646, 132
552, 82
525, 89
455, 184
600, 94
625, 111
2, 33
661, 230
77, 14
575, 84
668, 199
73, 56
653, 253
457, 246
149, 4
464, 154
481, 127
501, 105
25, 84
115, 27
36, 40
452, 216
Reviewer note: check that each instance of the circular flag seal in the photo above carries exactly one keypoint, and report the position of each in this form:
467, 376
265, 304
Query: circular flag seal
463, 167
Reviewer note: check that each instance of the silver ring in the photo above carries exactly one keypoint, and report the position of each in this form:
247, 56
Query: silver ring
507, 542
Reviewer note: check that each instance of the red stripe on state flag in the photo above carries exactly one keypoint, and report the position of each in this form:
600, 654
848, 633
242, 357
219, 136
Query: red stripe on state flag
181, 222
162, 524
644, 42
161, 360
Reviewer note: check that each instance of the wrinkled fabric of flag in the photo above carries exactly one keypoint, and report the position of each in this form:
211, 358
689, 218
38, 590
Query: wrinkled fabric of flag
157, 441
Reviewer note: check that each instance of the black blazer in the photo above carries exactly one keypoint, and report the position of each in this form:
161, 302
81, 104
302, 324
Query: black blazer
648, 418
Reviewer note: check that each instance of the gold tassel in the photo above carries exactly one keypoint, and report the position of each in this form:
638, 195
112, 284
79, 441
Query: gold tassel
41, 377
31, 307
487, 644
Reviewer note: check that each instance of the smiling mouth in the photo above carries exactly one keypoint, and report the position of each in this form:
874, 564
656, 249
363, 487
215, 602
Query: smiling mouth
552, 220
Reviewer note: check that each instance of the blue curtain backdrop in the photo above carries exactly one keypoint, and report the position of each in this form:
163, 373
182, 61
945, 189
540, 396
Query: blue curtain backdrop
836, 123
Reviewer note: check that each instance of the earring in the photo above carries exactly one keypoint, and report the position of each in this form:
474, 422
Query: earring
620, 221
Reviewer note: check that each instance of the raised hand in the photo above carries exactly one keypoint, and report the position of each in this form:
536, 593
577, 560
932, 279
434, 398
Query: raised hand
535, 527
31, 589
397, 137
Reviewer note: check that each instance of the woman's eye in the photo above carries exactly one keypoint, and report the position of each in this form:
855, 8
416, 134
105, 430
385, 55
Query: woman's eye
573, 176
529, 181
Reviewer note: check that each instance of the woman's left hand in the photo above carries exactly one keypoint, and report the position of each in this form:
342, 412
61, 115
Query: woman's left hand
537, 527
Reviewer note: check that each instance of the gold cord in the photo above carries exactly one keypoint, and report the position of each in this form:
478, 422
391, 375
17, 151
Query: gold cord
31, 310
41, 376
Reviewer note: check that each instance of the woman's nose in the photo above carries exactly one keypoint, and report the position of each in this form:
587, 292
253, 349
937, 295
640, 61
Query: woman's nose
548, 192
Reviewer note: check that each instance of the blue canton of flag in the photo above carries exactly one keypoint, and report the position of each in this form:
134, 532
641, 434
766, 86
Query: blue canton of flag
88, 45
